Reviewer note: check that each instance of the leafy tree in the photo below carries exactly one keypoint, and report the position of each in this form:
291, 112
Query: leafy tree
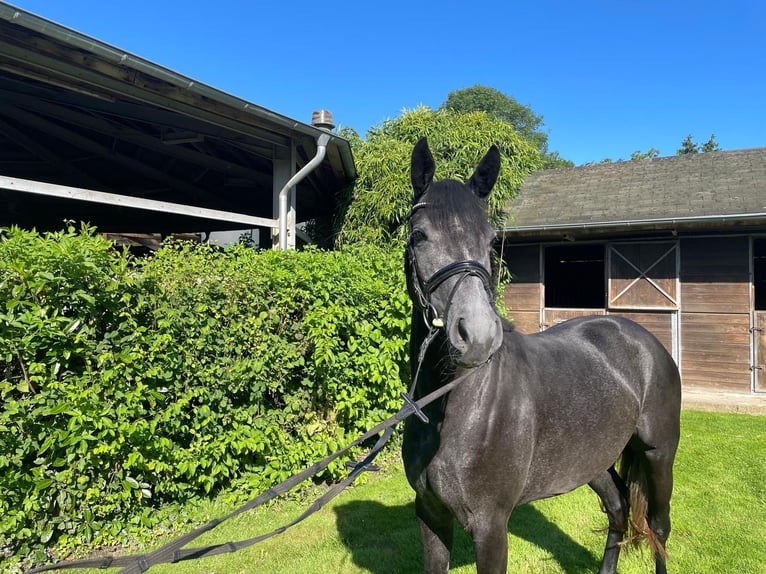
552, 160
689, 146
710, 145
377, 209
497, 104
506, 108
639, 155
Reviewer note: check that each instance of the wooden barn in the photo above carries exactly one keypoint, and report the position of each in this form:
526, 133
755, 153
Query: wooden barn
678, 244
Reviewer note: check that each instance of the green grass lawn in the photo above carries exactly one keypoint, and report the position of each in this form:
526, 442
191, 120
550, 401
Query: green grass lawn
718, 512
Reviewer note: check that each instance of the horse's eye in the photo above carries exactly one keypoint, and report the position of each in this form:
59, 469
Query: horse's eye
417, 236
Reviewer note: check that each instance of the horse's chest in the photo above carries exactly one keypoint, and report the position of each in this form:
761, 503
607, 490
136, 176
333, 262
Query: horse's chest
466, 453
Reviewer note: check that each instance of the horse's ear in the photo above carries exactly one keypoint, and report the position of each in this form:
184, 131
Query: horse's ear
422, 168
485, 175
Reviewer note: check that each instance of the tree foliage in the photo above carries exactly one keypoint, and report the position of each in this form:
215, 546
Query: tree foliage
376, 213
649, 154
506, 108
501, 106
690, 146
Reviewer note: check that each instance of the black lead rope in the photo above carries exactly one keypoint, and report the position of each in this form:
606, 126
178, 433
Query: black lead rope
174, 551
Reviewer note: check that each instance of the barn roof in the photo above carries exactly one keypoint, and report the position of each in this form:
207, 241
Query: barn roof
708, 190
80, 113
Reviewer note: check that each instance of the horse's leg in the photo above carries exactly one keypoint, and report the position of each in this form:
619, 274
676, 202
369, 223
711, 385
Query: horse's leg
613, 494
490, 542
659, 475
659, 429
659, 432
436, 532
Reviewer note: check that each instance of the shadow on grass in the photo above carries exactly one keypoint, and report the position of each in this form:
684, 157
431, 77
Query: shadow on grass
386, 539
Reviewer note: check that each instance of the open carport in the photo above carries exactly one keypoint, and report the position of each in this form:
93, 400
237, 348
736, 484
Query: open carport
91, 132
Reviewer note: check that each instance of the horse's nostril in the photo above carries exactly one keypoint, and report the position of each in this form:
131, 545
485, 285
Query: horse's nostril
462, 331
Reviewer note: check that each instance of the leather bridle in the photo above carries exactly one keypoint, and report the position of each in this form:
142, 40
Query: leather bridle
424, 288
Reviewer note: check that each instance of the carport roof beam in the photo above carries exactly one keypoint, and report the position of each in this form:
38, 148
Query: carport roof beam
66, 192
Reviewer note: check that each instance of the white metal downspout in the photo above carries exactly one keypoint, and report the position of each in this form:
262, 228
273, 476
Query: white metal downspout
322, 142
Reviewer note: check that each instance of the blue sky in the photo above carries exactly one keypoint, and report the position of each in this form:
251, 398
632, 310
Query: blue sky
609, 77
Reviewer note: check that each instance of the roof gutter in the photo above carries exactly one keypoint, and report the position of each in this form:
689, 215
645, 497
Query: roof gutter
633, 223
322, 142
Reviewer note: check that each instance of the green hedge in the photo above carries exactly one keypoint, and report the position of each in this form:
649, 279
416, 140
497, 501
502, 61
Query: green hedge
128, 384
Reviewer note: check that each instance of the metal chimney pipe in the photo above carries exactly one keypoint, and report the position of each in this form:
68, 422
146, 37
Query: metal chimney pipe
322, 119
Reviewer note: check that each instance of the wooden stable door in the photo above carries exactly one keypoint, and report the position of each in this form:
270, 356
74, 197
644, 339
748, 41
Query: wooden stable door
759, 346
716, 313
643, 286
643, 276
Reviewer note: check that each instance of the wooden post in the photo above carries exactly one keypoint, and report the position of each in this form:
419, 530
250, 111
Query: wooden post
283, 170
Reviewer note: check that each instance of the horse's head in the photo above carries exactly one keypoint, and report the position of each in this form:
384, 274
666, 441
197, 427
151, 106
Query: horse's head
448, 256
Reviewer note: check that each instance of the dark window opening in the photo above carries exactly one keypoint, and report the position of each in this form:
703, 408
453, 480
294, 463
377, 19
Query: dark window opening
759, 274
574, 276
523, 261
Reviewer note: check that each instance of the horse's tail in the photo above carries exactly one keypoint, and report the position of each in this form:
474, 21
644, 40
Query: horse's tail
633, 473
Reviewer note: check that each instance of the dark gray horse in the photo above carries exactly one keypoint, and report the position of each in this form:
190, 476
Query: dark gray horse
536, 415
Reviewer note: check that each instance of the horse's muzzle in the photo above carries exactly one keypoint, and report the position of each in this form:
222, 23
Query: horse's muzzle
474, 336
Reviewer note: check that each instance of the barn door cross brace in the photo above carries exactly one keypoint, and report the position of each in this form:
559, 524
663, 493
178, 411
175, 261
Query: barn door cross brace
643, 275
